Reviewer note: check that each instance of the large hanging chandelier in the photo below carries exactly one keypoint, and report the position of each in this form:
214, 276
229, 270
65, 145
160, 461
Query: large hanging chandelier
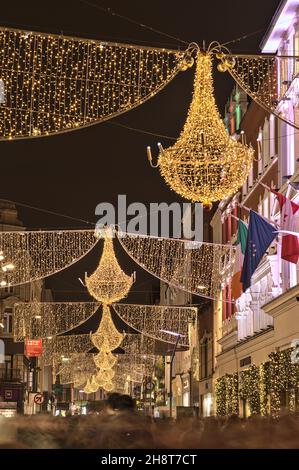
108, 283
205, 164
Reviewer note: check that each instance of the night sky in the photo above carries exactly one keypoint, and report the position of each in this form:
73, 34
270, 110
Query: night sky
72, 173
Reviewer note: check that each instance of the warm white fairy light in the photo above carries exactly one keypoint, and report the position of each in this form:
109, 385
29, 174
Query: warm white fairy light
38, 254
107, 337
196, 267
53, 84
259, 77
65, 345
155, 320
204, 164
54, 318
105, 359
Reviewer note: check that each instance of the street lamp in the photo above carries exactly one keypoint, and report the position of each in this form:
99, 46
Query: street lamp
178, 336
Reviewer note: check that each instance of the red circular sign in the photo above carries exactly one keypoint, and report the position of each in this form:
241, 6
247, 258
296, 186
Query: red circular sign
38, 398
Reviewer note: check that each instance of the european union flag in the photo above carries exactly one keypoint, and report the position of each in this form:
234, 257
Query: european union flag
260, 235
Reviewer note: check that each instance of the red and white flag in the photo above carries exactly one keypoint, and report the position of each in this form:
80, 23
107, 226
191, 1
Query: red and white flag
289, 213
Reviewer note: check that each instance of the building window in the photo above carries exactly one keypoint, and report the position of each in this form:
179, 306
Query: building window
7, 320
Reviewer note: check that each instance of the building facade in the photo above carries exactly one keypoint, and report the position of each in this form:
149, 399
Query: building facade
255, 332
19, 376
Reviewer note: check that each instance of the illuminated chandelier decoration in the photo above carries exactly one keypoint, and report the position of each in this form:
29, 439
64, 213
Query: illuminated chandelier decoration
257, 75
108, 284
77, 369
107, 337
105, 359
195, 267
104, 376
204, 164
35, 320
156, 320
35, 255
53, 84
109, 386
91, 386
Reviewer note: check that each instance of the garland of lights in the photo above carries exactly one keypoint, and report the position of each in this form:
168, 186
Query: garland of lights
258, 76
195, 267
34, 255
204, 163
91, 386
262, 386
34, 320
220, 390
55, 84
250, 388
156, 320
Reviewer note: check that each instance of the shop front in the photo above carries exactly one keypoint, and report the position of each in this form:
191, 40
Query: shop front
12, 393
8, 409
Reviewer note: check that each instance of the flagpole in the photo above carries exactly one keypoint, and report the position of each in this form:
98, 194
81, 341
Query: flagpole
238, 219
265, 218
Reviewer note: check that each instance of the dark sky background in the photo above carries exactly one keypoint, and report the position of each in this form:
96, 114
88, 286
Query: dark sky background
72, 173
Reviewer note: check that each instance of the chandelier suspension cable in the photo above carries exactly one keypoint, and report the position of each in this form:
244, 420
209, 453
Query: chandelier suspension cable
126, 18
47, 211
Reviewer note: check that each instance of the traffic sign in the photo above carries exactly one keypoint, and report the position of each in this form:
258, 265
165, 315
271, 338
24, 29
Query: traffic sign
38, 398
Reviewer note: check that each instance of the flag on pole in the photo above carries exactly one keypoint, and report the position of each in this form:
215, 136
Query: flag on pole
260, 236
240, 244
289, 211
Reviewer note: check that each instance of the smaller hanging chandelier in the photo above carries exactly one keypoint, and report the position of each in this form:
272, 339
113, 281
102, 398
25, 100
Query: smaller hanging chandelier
205, 164
109, 386
107, 337
105, 359
91, 386
109, 283
105, 375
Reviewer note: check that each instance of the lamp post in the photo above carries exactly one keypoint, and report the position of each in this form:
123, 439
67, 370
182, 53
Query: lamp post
178, 336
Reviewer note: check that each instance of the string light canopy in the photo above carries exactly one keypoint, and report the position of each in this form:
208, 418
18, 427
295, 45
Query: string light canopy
108, 283
258, 76
34, 255
204, 163
77, 369
58, 346
45, 319
196, 267
157, 321
53, 84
